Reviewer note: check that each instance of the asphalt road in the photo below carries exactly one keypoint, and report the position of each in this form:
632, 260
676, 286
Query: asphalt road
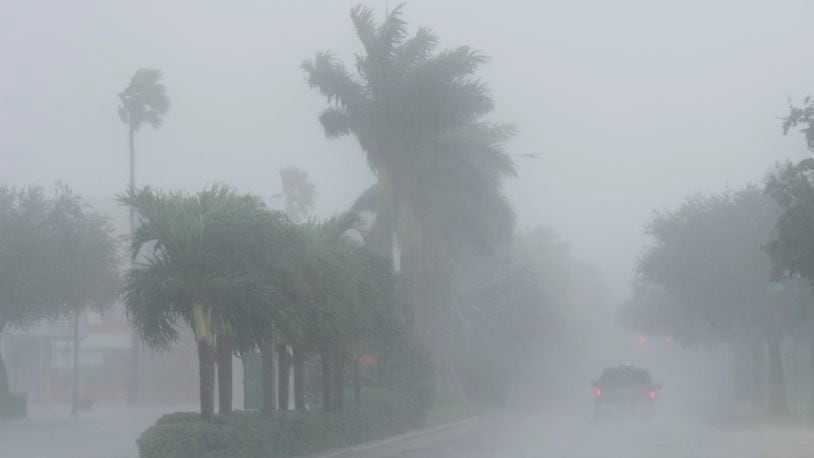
531, 435
111, 433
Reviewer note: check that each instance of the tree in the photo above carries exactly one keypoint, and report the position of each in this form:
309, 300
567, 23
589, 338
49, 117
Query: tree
87, 261
27, 245
298, 193
707, 278
349, 306
418, 115
198, 253
56, 257
518, 311
801, 116
143, 100
793, 248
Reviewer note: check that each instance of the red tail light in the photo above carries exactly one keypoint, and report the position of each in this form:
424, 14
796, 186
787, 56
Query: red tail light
598, 392
652, 395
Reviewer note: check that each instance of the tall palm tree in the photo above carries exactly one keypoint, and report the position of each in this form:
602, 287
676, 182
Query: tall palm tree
418, 115
143, 100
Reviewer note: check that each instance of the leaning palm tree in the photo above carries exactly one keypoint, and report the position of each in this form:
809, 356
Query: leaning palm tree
418, 115
143, 100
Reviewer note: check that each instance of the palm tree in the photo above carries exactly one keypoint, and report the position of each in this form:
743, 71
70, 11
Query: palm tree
143, 100
418, 115
195, 265
348, 287
298, 193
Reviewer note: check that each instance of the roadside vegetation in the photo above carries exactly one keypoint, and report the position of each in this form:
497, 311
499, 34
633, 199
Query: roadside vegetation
736, 268
420, 304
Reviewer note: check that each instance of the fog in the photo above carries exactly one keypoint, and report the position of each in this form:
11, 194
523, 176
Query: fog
630, 105
622, 108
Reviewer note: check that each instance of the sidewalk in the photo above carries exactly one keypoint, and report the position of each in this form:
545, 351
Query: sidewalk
106, 431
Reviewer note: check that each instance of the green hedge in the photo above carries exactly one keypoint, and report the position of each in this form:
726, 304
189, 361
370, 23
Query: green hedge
15, 405
250, 435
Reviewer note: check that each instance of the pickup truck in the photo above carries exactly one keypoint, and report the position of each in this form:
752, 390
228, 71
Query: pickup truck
624, 388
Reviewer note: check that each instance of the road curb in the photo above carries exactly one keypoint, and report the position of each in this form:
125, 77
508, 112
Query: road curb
366, 446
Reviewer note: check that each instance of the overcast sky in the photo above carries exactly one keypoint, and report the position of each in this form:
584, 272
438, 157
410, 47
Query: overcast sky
631, 104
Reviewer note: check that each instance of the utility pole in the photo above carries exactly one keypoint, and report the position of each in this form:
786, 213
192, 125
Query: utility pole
75, 395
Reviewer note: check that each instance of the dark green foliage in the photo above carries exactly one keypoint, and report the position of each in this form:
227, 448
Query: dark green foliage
212, 248
315, 284
14, 405
27, 239
406, 368
707, 278
144, 100
54, 251
57, 256
791, 186
292, 433
792, 249
419, 117
178, 417
192, 439
708, 264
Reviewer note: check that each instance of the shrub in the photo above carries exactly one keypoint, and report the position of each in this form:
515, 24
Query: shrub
186, 440
251, 435
14, 405
407, 368
179, 417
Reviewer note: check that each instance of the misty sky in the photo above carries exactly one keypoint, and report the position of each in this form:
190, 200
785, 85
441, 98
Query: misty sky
631, 105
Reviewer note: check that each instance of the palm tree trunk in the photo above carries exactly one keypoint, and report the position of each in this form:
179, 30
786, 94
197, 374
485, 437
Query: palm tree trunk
135, 343
225, 349
299, 378
327, 390
5, 391
206, 378
75, 391
339, 377
268, 380
777, 383
284, 375
384, 227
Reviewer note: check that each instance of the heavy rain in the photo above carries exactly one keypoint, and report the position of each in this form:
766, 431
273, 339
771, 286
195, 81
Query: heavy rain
447, 228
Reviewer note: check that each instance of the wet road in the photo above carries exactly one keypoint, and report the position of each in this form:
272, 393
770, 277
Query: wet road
105, 432
544, 436
111, 433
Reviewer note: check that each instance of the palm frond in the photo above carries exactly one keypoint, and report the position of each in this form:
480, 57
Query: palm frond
335, 122
144, 99
363, 23
414, 51
334, 82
